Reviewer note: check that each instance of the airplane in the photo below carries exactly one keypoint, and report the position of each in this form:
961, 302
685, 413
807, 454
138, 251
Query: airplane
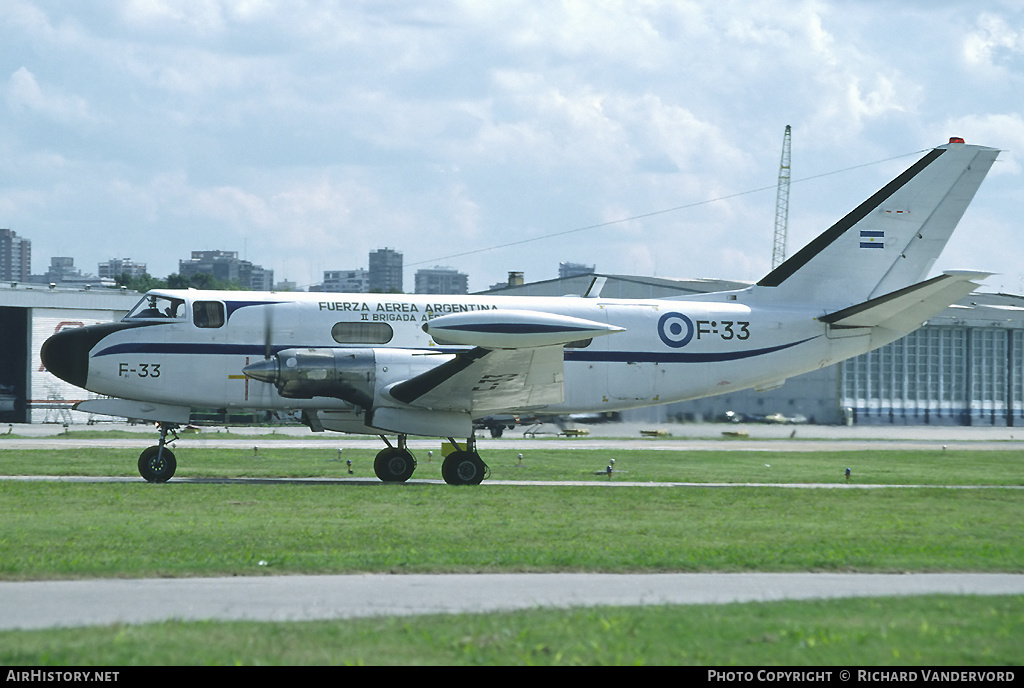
429, 365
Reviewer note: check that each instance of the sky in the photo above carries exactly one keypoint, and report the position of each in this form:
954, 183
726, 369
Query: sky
641, 137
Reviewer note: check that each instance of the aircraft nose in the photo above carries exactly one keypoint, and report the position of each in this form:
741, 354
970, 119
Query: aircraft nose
66, 353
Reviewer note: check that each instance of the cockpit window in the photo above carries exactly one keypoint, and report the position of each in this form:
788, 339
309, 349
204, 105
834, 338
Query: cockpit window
157, 307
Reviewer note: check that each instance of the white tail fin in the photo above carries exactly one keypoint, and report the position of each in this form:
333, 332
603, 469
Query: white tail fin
892, 239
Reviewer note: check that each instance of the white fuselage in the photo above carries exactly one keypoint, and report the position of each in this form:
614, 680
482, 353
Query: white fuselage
420, 365
670, 350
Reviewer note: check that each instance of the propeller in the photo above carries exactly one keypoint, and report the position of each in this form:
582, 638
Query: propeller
268, 331
267, 369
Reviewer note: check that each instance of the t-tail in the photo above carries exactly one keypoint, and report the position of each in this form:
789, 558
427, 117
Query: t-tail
878, 254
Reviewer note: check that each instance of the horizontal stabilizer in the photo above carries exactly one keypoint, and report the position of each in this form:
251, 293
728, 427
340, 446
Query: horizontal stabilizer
906, 309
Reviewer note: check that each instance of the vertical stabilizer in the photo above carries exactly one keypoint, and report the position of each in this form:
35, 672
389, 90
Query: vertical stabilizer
891, 240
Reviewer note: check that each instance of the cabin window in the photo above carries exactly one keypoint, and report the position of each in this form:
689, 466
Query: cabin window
208, 314
579, 344
362, 333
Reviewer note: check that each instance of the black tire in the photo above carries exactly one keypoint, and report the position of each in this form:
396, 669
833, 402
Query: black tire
463, 468
393, 465
157, 467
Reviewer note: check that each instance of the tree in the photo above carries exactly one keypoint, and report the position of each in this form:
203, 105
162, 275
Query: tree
141, 284
201, 280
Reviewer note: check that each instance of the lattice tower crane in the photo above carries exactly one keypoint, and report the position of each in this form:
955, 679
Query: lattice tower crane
782, 203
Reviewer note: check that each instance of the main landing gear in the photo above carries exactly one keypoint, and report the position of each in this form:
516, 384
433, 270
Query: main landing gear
157, 464
464, 466
461, 467
394, 464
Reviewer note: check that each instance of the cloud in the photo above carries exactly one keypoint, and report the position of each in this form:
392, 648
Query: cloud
993, 43
315, 132
999, 130
23, 93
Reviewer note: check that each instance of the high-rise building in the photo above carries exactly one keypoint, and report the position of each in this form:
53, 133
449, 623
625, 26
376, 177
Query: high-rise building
15, 257
260, 278
62, 269
62, 272
566, 270
116, 267
347, 281
227, 267
439, 280
386, 271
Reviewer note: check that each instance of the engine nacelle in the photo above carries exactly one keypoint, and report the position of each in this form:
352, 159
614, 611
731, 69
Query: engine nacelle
346, 374
512, 329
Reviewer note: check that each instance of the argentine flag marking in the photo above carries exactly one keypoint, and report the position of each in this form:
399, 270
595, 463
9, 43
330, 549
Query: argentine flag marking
872, 238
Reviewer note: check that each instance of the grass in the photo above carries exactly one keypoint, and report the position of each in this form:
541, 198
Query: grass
904, 467
74, 530
928, 631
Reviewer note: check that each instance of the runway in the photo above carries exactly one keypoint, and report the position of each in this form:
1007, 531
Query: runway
47, 604
487, 483
602, 436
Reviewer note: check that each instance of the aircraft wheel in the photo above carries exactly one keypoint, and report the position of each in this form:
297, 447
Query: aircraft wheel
156, 467
394, 465
463, 468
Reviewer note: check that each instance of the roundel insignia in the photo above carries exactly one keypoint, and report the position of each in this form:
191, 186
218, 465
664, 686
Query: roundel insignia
675, 329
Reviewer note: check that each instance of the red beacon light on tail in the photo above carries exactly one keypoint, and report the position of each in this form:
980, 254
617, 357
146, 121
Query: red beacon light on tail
956, 139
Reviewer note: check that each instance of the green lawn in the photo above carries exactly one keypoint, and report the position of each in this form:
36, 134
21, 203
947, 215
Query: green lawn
551, 461
926, 631
134, 529
61, 529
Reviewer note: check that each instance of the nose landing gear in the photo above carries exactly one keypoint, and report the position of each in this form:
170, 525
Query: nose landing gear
157, 463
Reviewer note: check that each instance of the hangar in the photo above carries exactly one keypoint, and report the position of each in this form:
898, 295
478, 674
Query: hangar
964, 367
29, 313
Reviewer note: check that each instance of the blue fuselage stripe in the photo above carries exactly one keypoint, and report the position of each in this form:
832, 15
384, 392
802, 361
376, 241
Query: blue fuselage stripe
674, 356
188, 349
207, 349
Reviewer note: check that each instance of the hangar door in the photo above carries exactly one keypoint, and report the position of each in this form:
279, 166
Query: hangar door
52, 399
14, 364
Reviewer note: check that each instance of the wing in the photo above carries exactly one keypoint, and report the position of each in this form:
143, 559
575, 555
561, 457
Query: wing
481, 381
516, 363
